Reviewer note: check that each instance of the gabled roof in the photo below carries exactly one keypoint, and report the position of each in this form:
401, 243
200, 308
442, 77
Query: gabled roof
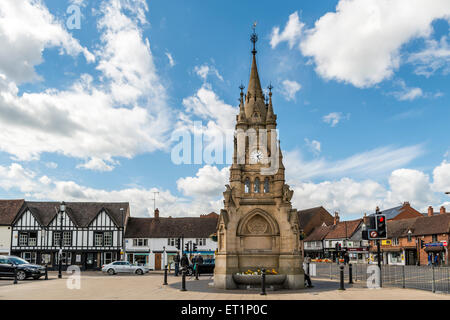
81, 213
319, 233
307, 215
9, 210
436, 224
344, 229
390, 213
195, 227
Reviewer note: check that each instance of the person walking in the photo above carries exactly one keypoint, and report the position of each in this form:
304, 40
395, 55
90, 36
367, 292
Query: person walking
176, 260
184, 262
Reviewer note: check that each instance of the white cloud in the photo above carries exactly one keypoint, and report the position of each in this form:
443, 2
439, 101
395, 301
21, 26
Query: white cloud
51, 165
435, 56
204, 70
441, 177
368, 164
114, 117
407, 93
408, 184
208, 182
291, 33
97, 164
360, 43
171, 60
289, 89
27, 28
334, 118
313, 145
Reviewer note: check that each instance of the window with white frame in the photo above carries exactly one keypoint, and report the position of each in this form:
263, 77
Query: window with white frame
98, 239
56, 238
29, 256
23, 239
140, 242
107, 238
395, 241
200, 241
67, 239
171, 242
32, 239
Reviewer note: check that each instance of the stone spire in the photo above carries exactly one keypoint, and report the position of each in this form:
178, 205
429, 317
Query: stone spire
271, 117
241, 117
255, 98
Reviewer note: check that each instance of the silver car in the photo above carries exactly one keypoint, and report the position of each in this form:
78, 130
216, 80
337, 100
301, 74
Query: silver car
123, 267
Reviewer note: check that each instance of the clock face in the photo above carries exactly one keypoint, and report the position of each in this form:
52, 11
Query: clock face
256, 156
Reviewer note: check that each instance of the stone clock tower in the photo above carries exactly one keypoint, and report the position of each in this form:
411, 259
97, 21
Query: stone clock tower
257, 227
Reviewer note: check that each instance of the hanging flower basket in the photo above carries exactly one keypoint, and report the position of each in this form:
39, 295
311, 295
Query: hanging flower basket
213, 237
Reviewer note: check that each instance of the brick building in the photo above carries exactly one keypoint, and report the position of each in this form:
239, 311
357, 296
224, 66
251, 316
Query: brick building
416, 241
309, 219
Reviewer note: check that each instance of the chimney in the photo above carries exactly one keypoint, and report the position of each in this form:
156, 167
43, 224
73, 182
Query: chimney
156, 213
336, 218
430, 211
442, 210
406, 204
377, 209
366, 219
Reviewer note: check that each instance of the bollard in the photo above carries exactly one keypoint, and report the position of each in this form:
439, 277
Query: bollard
331, 266
403, 277
165, 276
263, 282
342, 278
15, 275
350, 273
46, 272
183, 280
433, 285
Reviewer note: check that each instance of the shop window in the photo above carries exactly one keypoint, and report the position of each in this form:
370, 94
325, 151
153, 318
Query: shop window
108, 257
45, 258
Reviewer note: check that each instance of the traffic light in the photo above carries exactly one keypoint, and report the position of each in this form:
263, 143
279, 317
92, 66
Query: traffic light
177, 243
186, 247
381, 226
422, 243
194, 247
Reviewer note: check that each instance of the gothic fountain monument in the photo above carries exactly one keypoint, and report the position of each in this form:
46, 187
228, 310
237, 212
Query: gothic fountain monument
258, 228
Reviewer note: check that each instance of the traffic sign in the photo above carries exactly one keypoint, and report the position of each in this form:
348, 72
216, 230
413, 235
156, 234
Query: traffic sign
373, 234
444, 243
386, 242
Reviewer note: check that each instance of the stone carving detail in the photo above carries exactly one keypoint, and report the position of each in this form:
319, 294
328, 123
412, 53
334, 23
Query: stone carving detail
287, 193
257, 225
229, 198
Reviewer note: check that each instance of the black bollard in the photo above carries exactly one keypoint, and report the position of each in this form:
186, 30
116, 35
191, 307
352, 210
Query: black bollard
196, 272
263, 282
342, 278
46, 272
183, 280
350, 274
15, 275
165, 275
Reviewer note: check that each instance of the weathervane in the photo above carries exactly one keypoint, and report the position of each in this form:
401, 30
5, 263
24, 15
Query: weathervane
254, 37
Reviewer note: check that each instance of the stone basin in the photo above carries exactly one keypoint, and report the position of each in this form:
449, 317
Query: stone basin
252, 280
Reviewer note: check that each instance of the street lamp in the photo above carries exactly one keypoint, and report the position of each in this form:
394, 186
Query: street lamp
122, 250
62, 209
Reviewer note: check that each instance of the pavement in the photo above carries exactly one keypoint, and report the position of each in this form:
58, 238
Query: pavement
98, 286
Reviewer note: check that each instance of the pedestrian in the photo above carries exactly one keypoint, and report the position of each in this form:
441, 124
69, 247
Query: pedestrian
436, 260
429, 259
184, 262
200, 259
176, 260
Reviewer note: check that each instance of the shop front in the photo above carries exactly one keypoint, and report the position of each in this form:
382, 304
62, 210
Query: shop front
358, 255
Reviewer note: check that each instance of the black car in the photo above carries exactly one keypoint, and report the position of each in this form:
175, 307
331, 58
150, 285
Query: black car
24, 268
206, 267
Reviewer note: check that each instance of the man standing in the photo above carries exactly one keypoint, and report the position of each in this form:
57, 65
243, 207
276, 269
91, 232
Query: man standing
176, 260
184, 262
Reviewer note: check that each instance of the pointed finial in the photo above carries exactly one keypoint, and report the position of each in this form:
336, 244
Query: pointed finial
254, 37
270, 88
242, 87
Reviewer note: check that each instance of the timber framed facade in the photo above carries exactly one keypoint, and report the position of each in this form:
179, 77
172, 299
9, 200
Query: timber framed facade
92, 233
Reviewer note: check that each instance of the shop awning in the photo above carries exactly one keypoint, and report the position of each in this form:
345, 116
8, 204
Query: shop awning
434, 249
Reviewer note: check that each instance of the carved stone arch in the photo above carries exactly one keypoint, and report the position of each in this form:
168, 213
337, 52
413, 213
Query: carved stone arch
258, 216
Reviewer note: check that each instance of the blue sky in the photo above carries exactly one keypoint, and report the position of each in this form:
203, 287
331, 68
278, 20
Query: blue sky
360, 90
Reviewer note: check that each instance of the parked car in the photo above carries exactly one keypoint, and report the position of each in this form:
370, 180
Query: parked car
206, 267
24, 268
123, 267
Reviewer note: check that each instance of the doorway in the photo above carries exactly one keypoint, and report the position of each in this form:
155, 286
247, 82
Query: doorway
157, 261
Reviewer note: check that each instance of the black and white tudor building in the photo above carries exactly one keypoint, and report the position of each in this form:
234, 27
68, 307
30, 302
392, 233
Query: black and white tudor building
92, 233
